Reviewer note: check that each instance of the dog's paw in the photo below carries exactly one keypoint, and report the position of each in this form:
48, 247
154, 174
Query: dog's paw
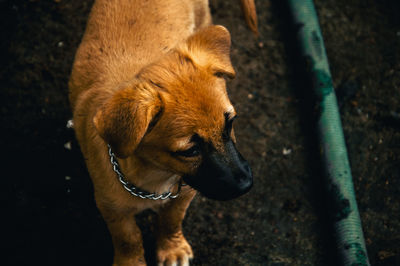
174, 251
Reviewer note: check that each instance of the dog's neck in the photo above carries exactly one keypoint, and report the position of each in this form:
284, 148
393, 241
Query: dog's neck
146, 176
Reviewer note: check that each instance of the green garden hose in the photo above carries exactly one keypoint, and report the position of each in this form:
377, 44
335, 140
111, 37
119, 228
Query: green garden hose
342, 201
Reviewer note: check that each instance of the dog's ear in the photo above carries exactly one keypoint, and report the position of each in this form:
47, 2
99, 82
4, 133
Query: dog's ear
210, 47
124, 119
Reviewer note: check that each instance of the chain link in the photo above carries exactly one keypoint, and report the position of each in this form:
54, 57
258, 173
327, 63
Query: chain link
137, 191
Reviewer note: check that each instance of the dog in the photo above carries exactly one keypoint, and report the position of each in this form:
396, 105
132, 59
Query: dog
153, 119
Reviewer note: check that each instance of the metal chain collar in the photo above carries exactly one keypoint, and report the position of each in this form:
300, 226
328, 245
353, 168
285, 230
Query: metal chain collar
137, 191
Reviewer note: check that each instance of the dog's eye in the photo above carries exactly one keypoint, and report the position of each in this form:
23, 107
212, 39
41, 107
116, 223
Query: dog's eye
219, 74
191, 152
229, 125
228, 128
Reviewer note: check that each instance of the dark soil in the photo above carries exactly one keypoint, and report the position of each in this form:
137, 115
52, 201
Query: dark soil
50, 215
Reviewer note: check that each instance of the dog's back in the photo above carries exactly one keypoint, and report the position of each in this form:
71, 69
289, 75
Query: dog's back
122, 36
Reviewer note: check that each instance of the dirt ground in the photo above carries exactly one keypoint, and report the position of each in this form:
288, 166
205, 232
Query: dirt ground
50, 215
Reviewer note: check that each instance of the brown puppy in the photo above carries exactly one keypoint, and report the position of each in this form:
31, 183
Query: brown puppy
147, 86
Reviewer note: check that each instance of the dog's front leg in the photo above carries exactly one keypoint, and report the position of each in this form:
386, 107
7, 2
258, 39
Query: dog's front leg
172, 247
126, 237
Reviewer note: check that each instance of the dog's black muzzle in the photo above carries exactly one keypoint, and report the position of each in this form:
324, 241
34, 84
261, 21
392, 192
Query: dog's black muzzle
222, 176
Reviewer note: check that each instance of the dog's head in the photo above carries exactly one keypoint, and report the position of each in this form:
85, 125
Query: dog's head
176, 116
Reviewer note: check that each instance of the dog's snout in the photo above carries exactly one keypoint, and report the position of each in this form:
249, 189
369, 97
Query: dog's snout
223, 176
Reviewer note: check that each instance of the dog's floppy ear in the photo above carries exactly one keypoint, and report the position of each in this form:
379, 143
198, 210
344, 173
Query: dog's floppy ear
210, 47
124, 119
